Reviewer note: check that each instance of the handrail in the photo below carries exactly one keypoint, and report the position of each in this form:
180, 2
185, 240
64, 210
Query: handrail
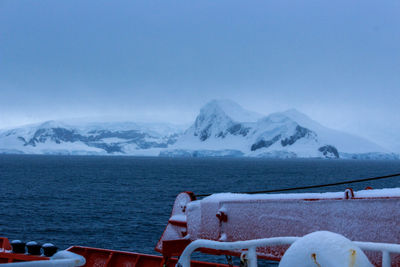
251, 245
60, 259
385, 248
184, 261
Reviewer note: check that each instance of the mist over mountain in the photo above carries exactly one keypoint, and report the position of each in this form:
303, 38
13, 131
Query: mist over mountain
222, 128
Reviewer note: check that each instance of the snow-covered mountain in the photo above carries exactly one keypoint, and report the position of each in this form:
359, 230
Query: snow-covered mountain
53, 137
222, 128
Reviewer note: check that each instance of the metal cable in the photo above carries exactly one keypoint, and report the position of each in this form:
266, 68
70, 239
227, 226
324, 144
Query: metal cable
313, 186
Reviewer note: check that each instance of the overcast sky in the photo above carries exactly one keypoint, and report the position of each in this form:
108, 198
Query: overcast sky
337, 61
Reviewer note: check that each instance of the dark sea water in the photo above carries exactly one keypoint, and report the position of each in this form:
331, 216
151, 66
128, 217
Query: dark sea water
124, 202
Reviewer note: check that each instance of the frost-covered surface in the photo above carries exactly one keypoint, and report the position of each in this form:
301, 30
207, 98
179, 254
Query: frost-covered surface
178, 218
326, 249
173, 231
375, 193
222, 129
373, 216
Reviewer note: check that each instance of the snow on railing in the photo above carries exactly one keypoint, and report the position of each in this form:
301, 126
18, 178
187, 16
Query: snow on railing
249, 248
250, 245
60, 259
385, 248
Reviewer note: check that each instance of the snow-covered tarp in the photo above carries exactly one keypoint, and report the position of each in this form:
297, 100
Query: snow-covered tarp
371, 215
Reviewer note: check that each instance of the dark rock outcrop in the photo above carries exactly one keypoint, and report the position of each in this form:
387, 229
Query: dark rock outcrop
265, 143
300, 132
329, 151
238, 129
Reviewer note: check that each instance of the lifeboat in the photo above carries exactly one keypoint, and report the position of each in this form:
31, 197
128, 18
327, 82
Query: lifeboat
348, 228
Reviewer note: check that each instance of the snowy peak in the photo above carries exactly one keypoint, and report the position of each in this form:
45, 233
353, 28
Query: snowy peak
52, 124
221, 117
283, 127
224, 127
298, 116
302, 119
230, 109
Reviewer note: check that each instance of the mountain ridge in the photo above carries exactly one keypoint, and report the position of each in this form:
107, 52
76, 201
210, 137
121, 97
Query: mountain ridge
222, 128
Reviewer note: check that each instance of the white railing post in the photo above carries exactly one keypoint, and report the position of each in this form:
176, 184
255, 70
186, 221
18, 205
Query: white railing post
386, 262
252, 257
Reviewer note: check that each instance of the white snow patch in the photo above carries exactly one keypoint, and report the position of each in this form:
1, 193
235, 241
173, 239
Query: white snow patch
374, 193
